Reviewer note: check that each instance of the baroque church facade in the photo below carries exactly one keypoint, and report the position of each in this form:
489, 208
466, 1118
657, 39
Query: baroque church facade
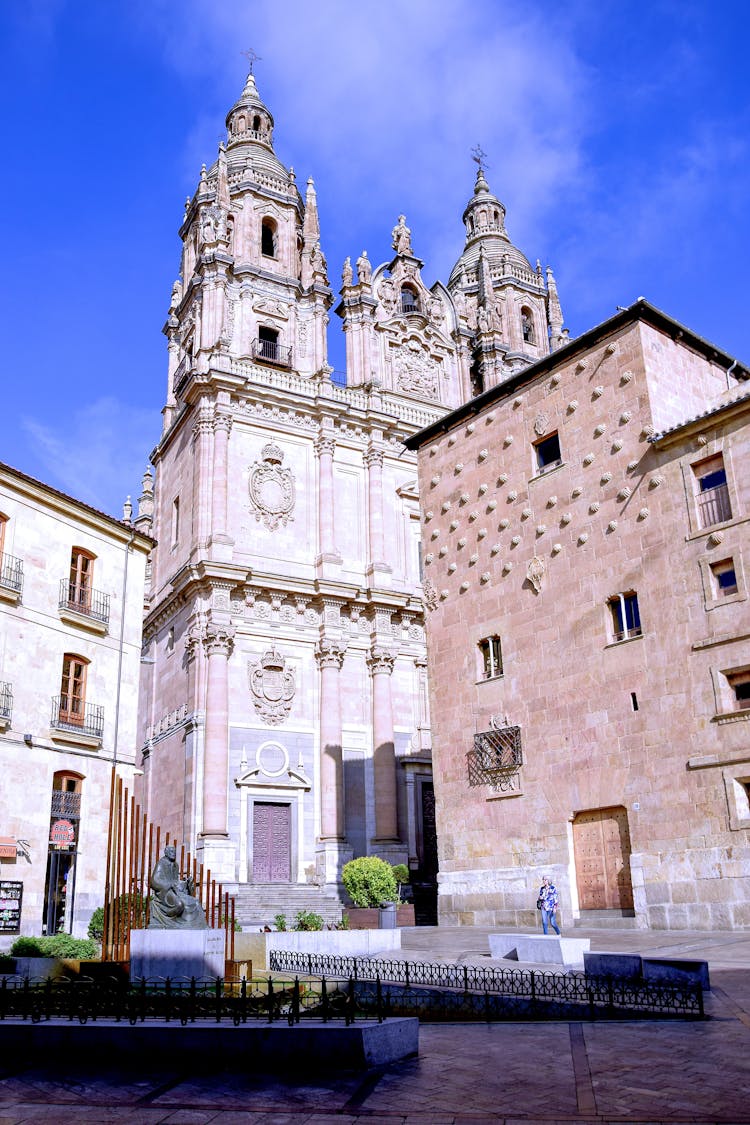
284, 707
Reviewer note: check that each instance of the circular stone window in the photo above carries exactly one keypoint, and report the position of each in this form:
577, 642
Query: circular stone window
272, 759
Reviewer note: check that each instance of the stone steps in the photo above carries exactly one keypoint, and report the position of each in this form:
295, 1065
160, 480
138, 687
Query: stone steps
257, 903
606, 920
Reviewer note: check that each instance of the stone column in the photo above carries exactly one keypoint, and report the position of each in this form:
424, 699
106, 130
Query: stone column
381, 662
330, 655
203, 437
218, 644
324, 447
377, 569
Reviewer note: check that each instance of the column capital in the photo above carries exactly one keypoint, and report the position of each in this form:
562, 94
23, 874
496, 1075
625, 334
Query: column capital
380, 660
219, 639
373, 458
330, 653
222, 421
203, 423
325, 443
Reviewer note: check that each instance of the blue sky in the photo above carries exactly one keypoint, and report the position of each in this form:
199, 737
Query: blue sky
616, 133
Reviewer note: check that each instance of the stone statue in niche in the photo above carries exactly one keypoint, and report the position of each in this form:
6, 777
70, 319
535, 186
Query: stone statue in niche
273, 686
173, 903
401, 236
272, 491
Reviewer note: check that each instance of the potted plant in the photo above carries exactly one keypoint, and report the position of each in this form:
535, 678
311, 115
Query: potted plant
370, 882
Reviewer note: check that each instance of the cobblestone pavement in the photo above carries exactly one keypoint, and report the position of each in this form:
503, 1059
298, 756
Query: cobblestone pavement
639, 1073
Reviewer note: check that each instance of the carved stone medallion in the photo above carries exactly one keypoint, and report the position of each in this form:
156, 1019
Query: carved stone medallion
272, 492
273, 686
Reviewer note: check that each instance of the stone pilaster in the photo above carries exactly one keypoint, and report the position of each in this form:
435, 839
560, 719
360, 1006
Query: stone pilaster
324, 449
220, 540
214, 849
203, 440
332, 851
378, 570
380, 662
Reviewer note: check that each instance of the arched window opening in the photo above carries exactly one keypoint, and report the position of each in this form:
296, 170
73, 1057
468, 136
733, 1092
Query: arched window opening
72, 702
409, 300
527, 326
81, 578
268, 239
256, 123
241, 123
65, 816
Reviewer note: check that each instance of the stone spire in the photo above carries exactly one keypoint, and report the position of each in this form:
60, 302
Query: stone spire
554, 312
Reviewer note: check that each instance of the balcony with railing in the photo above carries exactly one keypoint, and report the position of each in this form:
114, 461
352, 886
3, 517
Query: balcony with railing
67, 805
6, 705
80, 605
72, 720
268, 351
11, 578
714, 505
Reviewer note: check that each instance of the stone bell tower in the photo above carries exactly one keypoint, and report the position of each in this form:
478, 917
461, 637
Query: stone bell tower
284, 662
511, 310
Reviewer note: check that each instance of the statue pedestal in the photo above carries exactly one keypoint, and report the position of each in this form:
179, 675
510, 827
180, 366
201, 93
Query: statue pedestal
176, 953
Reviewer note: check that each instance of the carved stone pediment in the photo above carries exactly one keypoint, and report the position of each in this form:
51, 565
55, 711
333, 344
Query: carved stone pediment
271, 308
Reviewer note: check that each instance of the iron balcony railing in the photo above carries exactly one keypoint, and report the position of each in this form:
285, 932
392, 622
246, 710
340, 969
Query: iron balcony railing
66, 804
81, 599
11, 572
271, 352
714, 506
75, 715
6, 701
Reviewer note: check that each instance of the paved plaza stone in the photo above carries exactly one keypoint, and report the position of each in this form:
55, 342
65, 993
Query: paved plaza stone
636, 1072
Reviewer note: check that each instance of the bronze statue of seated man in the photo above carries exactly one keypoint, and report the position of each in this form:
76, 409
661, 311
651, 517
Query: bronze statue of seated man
173, 902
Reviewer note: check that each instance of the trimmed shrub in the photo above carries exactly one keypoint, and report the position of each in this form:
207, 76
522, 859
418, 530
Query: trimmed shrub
56, 945
308, 920
96, 925
369, 881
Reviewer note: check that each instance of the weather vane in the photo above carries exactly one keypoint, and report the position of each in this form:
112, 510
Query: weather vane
479, 156
251, 56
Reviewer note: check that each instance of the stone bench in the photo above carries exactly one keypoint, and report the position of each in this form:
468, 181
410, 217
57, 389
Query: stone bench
676, 971
546, 949
619, 966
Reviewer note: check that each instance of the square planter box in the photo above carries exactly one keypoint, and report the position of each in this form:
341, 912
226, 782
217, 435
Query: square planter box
368, 917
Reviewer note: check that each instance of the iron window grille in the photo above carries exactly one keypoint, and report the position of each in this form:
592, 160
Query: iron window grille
6, 701
497, 754
11, 572
82, 599
69, 713
66, 804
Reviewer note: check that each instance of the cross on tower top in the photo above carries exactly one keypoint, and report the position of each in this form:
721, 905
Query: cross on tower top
479, 156
251, 56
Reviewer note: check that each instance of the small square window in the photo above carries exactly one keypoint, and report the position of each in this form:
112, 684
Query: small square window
725, 578
548, 454
490, 658
626, 616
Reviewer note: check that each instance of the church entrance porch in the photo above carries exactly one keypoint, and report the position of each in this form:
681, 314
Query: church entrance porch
601, 847
272, 842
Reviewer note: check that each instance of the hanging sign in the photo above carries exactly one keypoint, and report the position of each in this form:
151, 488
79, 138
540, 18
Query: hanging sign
11, 896
62, 833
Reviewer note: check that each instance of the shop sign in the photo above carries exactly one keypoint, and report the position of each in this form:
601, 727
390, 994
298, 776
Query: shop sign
7, 847
11, 896
62, 833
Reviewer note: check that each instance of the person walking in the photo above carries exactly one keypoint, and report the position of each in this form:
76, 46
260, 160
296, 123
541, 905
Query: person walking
548, 900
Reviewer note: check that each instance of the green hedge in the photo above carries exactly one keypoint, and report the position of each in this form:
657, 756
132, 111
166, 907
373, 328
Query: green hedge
57, 945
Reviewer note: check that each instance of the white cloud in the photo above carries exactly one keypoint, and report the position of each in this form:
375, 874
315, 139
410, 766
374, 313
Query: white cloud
99, 456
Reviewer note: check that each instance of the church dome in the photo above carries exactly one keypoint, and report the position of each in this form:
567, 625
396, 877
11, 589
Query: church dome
484, 219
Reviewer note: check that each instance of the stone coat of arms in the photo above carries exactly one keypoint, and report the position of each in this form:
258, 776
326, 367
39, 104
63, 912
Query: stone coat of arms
273, 686
272, 492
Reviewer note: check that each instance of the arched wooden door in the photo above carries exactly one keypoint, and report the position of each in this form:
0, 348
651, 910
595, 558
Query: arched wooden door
601, 845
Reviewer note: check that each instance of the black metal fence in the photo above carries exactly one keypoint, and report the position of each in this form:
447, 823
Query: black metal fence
449, 991
185, 1000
